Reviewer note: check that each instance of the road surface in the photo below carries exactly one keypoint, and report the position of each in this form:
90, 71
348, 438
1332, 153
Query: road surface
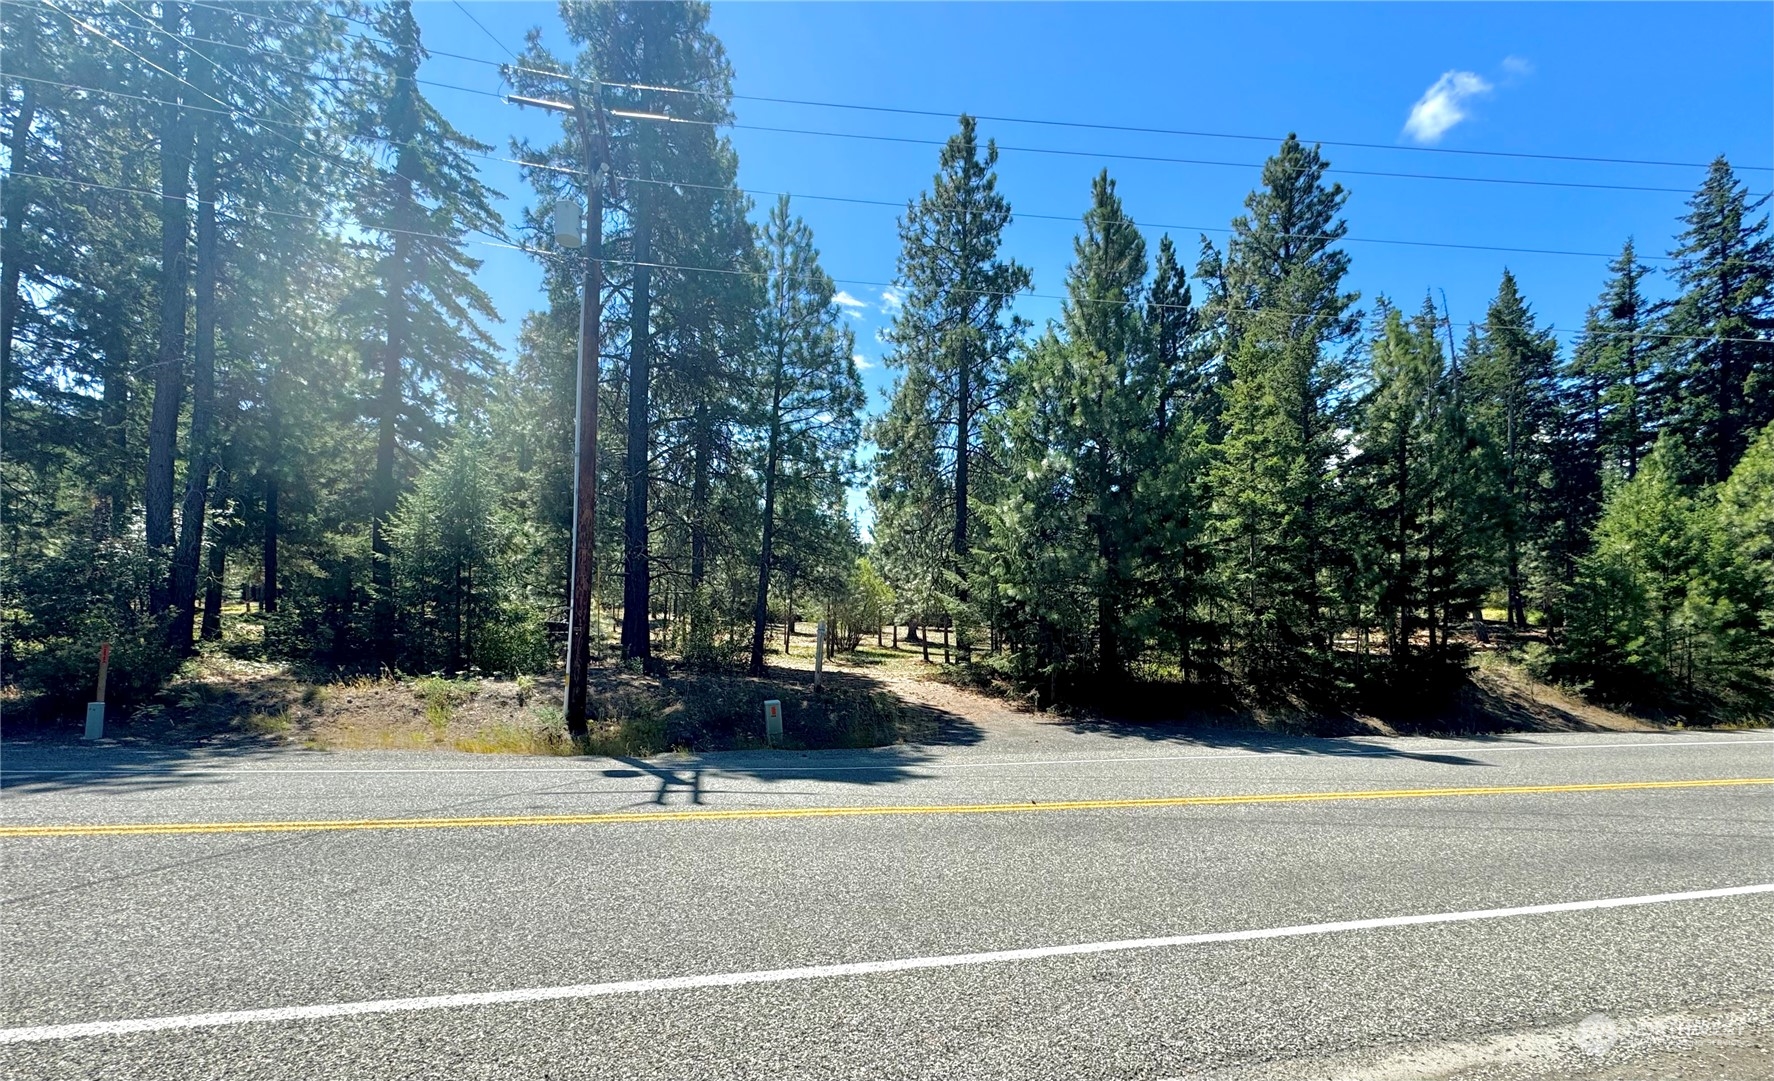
1063, 904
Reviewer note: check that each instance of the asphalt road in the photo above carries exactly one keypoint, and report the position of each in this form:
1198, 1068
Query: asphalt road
1245, 907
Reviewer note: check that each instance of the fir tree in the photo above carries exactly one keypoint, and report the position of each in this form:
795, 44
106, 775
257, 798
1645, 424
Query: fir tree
1513, 393
1719, 388
434, 348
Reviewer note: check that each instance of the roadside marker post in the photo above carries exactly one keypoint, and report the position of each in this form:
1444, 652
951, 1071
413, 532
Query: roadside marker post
773, 721
95, 710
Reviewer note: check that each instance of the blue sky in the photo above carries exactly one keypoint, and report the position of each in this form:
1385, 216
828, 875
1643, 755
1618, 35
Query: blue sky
1665, 82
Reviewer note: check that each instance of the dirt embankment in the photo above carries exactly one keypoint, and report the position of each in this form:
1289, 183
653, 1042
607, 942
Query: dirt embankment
872, 697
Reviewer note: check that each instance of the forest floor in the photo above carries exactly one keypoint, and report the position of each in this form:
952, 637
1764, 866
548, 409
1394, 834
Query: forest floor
873, 696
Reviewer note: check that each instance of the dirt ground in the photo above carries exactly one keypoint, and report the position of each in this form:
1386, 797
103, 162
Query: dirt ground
872, 696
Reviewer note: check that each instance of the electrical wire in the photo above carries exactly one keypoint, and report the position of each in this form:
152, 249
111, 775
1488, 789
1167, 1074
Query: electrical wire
862, 201
235, 112
1163, 159
865, 283
1088, 125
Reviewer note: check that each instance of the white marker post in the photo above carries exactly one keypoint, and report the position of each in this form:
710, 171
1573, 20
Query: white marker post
773, 721
95, 710
818, 652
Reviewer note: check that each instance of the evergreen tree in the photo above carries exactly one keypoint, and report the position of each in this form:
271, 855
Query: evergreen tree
434, 351
1720, 386
674, 208
806, 363
1181, 395
952, 335
452, 550
1511, 378
1620, 355
1742, 558
1277, 302
1639, 603
1105, 516
1414, 485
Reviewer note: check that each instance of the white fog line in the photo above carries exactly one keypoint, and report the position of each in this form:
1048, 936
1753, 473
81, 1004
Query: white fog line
1368, 751
46, 1033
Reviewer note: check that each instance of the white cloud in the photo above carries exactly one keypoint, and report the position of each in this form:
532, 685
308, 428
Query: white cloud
890, 299
863, 363
1518, 66
1444, 105
850, 303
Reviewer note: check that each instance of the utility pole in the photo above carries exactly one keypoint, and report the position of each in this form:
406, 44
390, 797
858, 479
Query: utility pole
596, 160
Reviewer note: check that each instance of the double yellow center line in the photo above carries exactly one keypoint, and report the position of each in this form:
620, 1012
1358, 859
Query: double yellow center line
740, 814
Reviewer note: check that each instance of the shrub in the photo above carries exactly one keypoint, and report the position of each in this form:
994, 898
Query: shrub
69, 603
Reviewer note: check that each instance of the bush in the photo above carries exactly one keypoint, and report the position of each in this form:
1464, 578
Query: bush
70, 603
514, 640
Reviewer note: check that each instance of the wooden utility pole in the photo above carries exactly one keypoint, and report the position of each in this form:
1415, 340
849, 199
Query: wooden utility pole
584, 556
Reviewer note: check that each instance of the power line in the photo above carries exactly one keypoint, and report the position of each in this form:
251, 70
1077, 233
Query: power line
1163, 159
484, 30
1213, 134
1081, 124
294, 216
861, 201
1078, 218
866, 283
149, 24
297, 143
1200, 161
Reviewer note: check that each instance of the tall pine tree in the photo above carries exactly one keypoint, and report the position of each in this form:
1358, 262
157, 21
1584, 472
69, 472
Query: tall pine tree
1721, 379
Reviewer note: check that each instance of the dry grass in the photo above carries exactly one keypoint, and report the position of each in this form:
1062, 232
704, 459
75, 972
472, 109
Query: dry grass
883, 661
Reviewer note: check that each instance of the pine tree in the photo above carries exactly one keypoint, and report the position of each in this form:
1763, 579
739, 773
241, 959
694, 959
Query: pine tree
674, 207
239, 173
434, 348
1412, 481
1513, 395
1634, 621
1620, 352
1742, 560
1276, 301
177, 136
1181, 396
953, 332
806, 361
1720, 385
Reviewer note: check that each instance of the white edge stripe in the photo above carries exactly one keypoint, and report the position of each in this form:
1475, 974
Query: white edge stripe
1367, 751
44, 1033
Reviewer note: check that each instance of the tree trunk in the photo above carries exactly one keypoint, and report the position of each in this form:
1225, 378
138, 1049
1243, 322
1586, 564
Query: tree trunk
699, 497
114, 437
188, 556
788, 626
963, 424
268, 593
169, 366
635, 585
385, 493
211, 628
761, 610
11, 270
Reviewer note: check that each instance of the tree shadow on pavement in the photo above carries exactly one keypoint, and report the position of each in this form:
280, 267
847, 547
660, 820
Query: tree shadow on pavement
114, 766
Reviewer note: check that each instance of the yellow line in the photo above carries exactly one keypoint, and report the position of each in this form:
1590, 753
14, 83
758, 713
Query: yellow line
329, 825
